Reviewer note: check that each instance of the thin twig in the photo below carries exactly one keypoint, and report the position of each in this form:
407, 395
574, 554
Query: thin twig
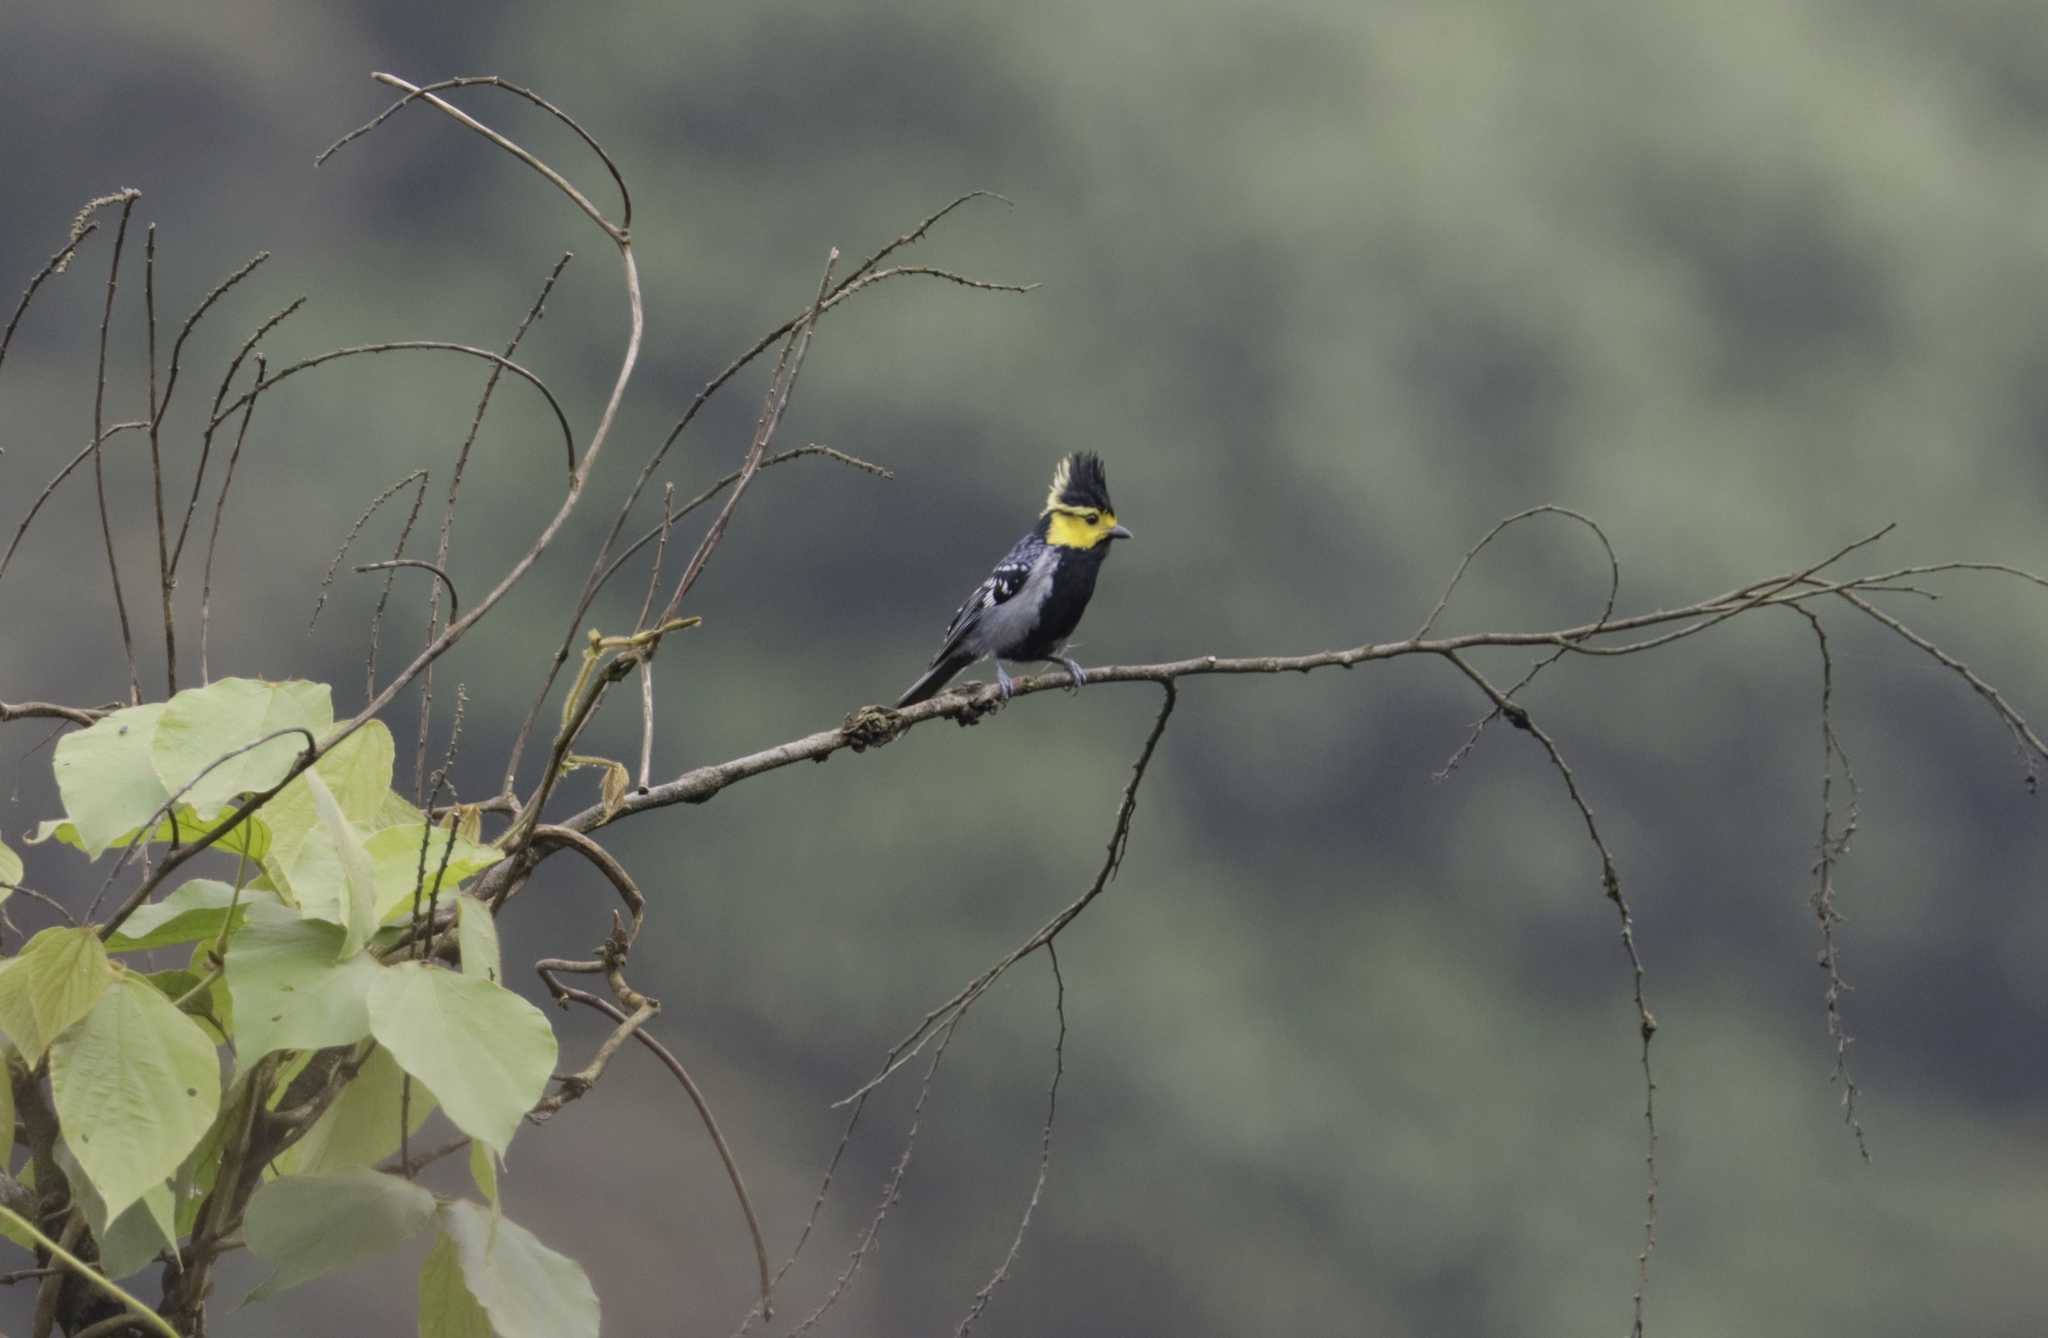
600, 572
780, 387
215, 418
454, 599
668, 497
414, 346
417, 477
447, 539
127, 201
1052, 1106
213, 539
1646, 1021
56, 264
89, 451
1113, 858
1831, 849
704, 1115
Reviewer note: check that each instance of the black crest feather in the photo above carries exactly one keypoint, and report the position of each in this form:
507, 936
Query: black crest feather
1078, 480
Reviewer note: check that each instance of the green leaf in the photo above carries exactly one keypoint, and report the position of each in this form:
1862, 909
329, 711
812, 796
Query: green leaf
200, 726
485, 1051
250, 836
476, 933
306, 859
291, 992
526, 1289
196, 1175
346, 893
395, 858
310, 1225
361, 1127
135, 1083
105, 776
194, 913
483, 1172
447, 1310
358, 770
135, 1237
10, 870
55, 981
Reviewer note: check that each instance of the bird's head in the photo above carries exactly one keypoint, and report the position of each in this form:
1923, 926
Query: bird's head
1078, 513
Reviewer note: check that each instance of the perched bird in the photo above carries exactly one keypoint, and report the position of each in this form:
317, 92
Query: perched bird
1032, 602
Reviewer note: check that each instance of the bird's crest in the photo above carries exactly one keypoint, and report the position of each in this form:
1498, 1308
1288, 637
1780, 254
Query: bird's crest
1079, 483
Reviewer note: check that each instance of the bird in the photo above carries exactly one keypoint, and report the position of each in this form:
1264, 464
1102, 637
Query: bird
1033, 600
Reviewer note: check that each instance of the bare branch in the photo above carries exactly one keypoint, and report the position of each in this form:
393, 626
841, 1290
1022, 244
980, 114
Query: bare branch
1646, 1022
617, 233
1832, 847
689, 1085
454, 599
56, 264
89, 451
779, 389
1052, 1106
599, 571
127, 201
441, 553
410, 346
219, 506
215, 417
419, 477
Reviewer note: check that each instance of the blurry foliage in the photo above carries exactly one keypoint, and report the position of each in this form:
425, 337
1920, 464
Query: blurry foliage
1333, 287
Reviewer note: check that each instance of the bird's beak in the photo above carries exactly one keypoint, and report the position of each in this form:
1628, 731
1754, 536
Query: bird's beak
1119, 532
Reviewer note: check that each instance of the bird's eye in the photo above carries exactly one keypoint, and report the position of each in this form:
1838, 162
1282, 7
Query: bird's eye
1094, 517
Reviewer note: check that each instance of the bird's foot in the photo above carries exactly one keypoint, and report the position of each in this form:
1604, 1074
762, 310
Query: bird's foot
1074, 667
1003, 685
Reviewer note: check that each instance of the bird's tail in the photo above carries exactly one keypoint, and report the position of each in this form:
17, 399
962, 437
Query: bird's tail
935, 678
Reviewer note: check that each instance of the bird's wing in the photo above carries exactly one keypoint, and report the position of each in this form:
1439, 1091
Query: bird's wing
1002, 585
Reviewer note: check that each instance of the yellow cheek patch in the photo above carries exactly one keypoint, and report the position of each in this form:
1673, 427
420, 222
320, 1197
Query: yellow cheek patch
1070, 529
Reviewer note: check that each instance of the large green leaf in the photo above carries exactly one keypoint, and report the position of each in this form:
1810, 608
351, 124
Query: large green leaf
344, 892
527, 1289
105, 777
56, 980
250, 836
447, 1310
361, 1127
200, 726
135, 1083
133, 1239
485, 1051
195, 911
291, 992
308, 860
476, 933
395, 857
309, 1225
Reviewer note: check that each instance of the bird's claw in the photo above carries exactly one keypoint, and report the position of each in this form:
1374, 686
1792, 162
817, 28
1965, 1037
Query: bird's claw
1080, 675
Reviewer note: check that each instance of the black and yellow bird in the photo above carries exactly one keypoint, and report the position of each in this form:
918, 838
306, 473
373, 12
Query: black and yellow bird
1032, 602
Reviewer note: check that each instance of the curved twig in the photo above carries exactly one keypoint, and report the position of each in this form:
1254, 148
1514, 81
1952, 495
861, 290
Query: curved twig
418, 476
454, 600
493, 81
414, 345
56, 264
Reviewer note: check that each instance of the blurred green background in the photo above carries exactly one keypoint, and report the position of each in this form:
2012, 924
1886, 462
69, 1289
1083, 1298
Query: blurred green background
1333, 287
